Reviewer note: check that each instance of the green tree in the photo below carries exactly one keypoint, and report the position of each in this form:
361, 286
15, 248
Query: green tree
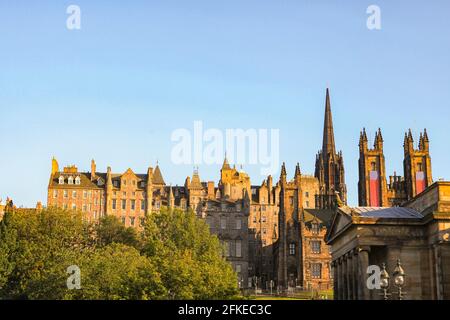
111, 230
117, 272
39, 248
188, 257
176, 257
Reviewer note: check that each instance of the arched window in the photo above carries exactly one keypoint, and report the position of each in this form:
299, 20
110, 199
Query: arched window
70, 180
77, 180
61, 180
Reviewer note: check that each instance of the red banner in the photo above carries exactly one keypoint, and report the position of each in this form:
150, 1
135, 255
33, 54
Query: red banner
374, 189
420, 182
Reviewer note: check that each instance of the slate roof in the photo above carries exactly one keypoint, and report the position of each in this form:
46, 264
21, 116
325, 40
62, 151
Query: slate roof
157, 176
85, 180
384, 212
323, 215
87, 183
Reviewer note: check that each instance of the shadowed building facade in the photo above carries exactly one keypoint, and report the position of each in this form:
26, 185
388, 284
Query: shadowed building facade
417, 233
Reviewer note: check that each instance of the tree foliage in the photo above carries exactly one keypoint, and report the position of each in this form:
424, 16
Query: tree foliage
174, 258
189, 257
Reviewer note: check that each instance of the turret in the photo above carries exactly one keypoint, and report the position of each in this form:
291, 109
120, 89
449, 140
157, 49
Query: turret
378, 144
171, 198
298, 174
363, 142
425, 142
408, 143
283, 174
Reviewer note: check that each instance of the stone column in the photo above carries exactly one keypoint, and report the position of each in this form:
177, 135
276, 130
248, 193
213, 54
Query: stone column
363, 262
355, 279
335, 279
345, 277
350, 276
339, 279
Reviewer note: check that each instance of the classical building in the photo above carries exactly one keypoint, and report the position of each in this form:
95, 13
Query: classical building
329, 165
417, 234
373, 188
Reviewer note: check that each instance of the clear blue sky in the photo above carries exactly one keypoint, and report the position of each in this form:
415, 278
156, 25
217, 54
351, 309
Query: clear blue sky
116, 89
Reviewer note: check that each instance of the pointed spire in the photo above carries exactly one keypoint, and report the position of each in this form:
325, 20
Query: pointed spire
363, 140
283, 169
410, 137
171, 198
157, 176
328, 146
226, 165
364, 135
297, 170
379, 135
421, 141
424, 141
378, 143
425, 135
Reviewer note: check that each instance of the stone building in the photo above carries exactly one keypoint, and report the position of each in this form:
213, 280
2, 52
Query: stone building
373, 188
272, 232
128, 196
417, 233
316, 258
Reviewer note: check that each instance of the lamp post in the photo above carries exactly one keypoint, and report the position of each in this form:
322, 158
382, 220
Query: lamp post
399, 279
384, 282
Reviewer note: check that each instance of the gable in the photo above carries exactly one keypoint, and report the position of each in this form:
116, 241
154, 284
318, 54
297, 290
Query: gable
339, 222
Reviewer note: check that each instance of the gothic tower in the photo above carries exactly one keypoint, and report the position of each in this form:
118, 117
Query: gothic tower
289, 269
372, 186
417, 164
329, 165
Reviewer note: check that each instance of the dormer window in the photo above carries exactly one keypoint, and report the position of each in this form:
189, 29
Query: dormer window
70, 180
77, 180
100, 182
116, 183
61, 180
315, 228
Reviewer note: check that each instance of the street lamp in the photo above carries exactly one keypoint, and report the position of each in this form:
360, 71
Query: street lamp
384, 282
399, 279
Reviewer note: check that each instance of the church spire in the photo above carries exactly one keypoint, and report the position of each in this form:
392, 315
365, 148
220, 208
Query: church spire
328, 146
226, 165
